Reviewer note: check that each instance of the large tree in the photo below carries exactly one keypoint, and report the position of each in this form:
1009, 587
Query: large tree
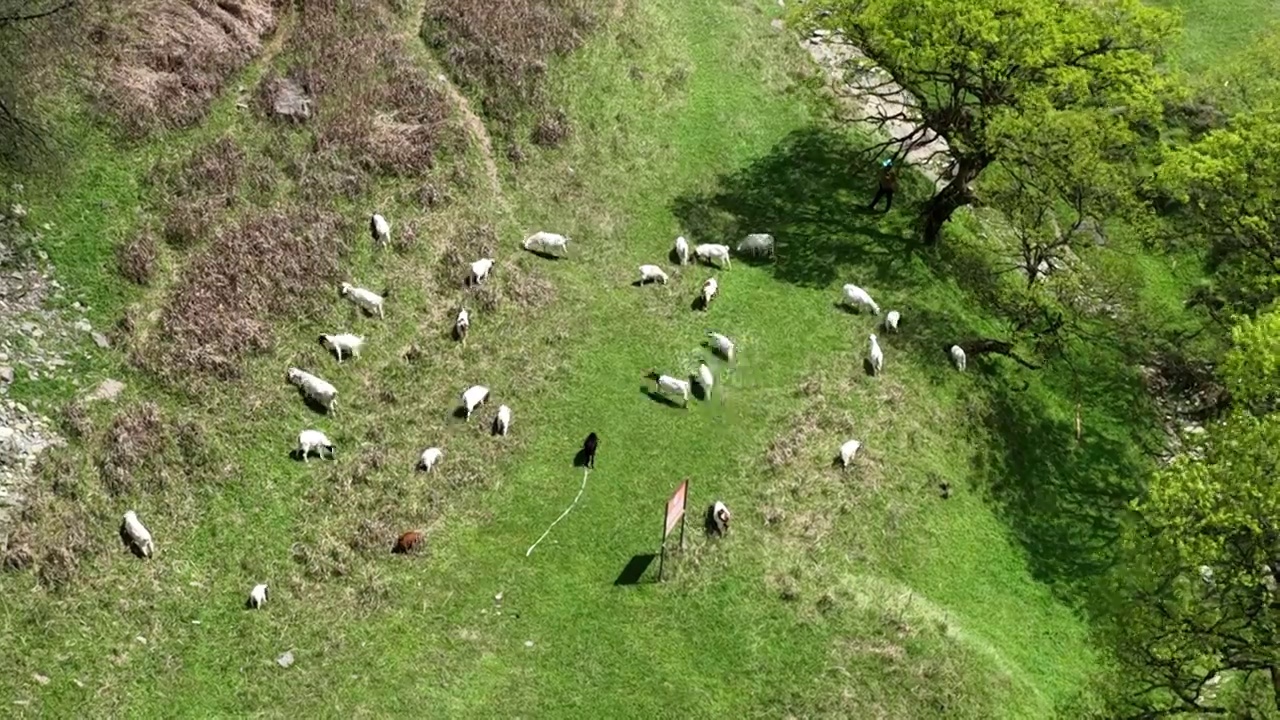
990, 76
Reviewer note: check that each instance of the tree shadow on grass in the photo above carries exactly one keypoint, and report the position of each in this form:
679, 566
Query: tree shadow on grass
810, 193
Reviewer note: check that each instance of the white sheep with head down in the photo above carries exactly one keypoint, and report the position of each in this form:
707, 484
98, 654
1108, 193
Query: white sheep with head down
707, 380
891, 320
713, 254
650, 273
502, 423
257, 597
473, 397
480, 270
710, 289
848, 450
548, 243
366, 300
682, 250
429, 458
856, 297
958, 357
380, 229
722, 345
315, 388
462, 324
310, 441
876, 355
343, 343
672, 386
136, 536
756, 244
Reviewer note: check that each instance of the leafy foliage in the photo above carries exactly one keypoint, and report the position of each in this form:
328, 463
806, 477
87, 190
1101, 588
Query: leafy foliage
1252, 367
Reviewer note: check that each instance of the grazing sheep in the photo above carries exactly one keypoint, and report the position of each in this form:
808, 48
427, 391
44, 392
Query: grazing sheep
407, 542
672, 386
346, 342
876, 356
891, 321
313, 440
380, 229
848, 451
705, 377
722, 345
682, 250
589, 450
473, 396
958, 357
258, 595
315, 388
547, 242
502, 423
710, 289
366, 300
858, 298
756, 244
429, 458
462, 324
718, 516
136, 536
652, 272
480, 270
713, 254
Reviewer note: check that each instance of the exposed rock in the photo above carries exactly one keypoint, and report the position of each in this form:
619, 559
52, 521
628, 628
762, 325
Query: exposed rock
289, 101
107, 390
6, 374
100, 340
286, 659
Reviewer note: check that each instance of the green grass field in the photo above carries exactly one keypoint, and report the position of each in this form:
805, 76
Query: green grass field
1216, 30
836, 594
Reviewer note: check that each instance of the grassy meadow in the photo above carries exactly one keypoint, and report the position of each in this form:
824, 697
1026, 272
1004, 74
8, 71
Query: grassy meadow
859, 593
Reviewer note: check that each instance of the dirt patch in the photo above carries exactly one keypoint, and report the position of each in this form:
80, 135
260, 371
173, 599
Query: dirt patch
501, 51
163, 62
268, 265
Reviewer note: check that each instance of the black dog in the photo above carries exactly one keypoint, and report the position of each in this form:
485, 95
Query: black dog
589, 450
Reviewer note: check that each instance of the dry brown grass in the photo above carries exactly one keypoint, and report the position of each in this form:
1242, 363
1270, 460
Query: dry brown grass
501, 50
136, 260
508, 282
552, 129
162, 62
373, 103
132, 452
268, 265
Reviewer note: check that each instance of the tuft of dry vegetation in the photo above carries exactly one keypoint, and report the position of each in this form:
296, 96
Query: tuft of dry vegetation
501, 51
269, 264
372, 102
162, 62
552, 129
135, 442
136, 259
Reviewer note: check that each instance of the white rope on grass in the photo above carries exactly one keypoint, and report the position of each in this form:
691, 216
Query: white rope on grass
585, 472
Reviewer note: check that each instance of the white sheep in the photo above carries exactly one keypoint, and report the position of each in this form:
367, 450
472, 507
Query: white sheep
502, 423
480, 270
315, 388
958, 357
473, 396
652, 272
720, 517
257, 597
135, 535
876, 355
848, 451
756, 244
547, 242
345, 342
682, 250
722, 345
710, 289
706, 378
380, 229
891, 321
429, 458
462, 324
314, 441
712, 253
674, 386
366, 300
859, 298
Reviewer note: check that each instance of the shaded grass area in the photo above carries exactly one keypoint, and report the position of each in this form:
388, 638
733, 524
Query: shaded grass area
854, 594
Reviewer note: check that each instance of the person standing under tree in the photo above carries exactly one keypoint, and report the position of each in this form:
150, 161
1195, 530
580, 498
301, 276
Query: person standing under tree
888, 184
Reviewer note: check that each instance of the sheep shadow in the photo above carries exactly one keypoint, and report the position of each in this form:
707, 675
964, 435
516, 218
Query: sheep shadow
661, 399
634, 570
313, 404
580, 458
460, 413
848, 309
130, 545
868, 368
673, 257
699, 304
544, 254
495, 428
695, 387
646, 281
